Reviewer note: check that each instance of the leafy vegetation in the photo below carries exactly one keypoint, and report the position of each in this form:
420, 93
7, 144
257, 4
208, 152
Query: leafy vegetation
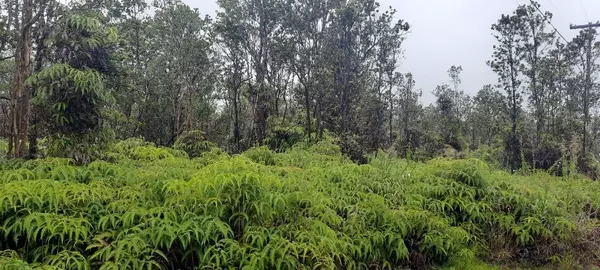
310, 207
194, 143
279, 72
269, 136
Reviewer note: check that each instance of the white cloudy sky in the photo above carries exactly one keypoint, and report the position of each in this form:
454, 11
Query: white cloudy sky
457, 32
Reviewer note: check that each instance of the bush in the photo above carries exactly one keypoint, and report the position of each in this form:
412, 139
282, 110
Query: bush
350, 147
261, 155
281, 139
138, 149
82, 148
150, 153
125, 146
325, 148
418, 146
212, 156
488, 154
194, 143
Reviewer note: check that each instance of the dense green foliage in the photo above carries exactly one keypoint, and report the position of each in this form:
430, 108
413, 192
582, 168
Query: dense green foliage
310, 207
72, 91
267, 137
194, 143
278, 72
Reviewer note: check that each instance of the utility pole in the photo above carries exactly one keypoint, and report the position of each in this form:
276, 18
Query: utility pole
588, 80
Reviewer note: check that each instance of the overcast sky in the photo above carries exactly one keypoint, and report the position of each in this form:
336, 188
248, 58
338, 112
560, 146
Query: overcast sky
457, 32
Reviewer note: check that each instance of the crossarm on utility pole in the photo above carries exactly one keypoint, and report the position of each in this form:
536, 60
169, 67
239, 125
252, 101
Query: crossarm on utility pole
589, 25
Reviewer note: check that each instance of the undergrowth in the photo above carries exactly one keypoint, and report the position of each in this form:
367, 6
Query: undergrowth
3, 148
144, 207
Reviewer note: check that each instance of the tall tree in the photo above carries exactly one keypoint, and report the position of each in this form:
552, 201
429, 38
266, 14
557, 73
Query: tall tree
453, 106
586, 51
409, 108
506, 62
179, 73
535, 43
488, 116
308, 21
262, 20
360, 31
231, 33
556, 71
72, 91
132, 21
21, 95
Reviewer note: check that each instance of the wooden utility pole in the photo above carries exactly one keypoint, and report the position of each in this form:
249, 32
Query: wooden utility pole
588, 80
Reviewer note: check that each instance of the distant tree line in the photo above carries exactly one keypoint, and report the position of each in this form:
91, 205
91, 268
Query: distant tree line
274, 72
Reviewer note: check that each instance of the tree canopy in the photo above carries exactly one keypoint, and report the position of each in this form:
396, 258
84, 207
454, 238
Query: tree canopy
274, 72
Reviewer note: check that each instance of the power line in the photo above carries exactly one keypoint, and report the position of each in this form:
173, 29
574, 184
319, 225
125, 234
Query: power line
555, 7
555, 29
548, 21
584, 11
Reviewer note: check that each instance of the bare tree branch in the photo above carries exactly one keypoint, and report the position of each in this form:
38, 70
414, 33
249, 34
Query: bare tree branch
35, 18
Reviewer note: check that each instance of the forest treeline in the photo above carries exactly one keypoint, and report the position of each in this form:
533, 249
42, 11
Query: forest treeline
275, 72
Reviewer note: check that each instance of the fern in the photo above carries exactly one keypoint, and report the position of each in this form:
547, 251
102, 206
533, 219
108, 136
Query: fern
309, 207
68, 260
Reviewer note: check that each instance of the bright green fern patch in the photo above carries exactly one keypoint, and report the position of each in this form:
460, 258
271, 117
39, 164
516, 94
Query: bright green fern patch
144, 207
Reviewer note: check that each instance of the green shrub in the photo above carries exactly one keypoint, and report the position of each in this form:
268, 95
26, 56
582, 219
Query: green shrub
488, 154
214, 155
138, 149
124, 146
194, 143
82, 148
280, 139
261, 155
150, 153
325, 148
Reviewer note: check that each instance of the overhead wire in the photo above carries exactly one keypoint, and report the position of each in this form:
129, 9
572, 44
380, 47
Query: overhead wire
555, 29
549, 22
555, 7
584, 11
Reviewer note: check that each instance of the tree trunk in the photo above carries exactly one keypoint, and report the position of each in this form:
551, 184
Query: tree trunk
285, 105
513, 146
40, 56
263, 98
236, 120
307, 107
391, 114
20, 94
319, 117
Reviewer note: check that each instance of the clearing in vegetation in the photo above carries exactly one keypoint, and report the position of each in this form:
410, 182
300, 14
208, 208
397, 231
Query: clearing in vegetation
144, 207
